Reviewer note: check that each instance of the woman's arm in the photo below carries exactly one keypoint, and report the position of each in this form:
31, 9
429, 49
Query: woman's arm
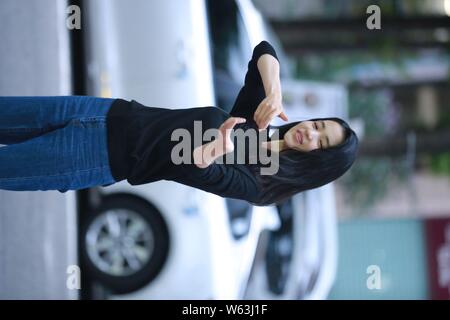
269, 69
271, 106
261, 80
205, 154
252, 93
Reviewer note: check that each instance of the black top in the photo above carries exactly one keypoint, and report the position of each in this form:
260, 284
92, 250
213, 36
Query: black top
140, 146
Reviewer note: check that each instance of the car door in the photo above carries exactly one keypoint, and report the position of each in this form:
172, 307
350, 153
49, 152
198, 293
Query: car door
156, 52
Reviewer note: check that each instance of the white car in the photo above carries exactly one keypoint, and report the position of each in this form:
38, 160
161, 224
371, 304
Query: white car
311, 240
162, 240
179, 237
299, 260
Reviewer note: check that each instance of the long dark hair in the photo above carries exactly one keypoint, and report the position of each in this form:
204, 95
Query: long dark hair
299, 171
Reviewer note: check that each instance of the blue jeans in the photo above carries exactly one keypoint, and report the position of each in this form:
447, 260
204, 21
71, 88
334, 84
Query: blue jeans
54, 143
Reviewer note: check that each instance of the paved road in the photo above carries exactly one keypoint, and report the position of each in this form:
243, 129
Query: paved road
38, 230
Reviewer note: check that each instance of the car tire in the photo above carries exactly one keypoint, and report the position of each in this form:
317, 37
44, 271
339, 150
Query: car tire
124, 229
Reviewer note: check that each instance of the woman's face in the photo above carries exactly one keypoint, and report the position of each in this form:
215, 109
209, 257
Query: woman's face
310, 135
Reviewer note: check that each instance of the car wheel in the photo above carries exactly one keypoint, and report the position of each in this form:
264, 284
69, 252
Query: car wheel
124, 243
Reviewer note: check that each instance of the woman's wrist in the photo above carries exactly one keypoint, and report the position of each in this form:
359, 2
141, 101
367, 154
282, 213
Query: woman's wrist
206, 154
275, 93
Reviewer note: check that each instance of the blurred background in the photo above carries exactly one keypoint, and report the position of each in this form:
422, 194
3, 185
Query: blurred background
382, 231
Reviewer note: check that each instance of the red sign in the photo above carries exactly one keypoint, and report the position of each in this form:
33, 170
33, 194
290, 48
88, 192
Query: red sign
438, 251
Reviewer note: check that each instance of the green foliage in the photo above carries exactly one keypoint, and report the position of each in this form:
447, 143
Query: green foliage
371, 106
369, 180
444, 114
440, 163
384, 56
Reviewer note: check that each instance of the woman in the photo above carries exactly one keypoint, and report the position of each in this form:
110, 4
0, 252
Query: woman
76, 142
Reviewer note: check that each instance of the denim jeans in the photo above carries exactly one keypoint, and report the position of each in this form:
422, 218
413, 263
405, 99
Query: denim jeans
54, 143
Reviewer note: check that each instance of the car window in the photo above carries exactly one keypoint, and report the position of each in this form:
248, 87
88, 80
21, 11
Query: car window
240, 52
230, 41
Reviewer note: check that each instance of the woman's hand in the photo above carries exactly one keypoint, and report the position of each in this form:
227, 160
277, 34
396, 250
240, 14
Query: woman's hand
270, 107
205, 154
224, 142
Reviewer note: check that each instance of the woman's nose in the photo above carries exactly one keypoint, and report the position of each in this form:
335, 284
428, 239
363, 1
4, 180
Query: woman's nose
311, 134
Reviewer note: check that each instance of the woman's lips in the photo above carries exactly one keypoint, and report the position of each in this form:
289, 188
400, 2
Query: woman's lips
299, 137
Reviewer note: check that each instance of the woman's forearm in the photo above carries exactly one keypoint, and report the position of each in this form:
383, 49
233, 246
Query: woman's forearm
269, 69
205, 154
